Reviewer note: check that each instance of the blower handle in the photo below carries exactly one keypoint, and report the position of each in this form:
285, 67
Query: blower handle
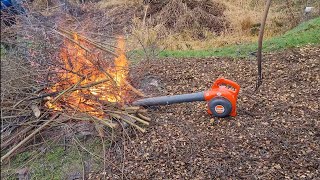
221, 81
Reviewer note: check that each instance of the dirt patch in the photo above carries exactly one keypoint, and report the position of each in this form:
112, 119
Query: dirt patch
275, 135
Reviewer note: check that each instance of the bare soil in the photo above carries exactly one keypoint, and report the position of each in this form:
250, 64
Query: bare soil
275, 135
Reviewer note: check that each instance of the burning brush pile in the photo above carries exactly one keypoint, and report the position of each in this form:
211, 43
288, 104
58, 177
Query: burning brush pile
93, 87
79, 81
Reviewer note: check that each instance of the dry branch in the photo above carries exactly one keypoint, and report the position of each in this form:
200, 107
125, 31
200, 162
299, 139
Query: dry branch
143, 117
86, 39
130, 116
139, 93
128, 121
74, 89
28, 137
105, 122
14, 137
70, 39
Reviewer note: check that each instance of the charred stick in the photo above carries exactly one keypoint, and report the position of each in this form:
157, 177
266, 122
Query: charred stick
74, 89
135, 108
94, 83
71, 88
77, 43
139, 93
89, 41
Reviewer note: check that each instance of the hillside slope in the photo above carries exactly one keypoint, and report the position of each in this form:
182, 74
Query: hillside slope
304, 34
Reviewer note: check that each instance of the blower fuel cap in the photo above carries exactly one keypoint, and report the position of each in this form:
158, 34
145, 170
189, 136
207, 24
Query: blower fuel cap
220, 107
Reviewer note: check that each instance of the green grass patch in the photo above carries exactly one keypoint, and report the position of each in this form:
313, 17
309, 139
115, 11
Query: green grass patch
307, 33
56, 162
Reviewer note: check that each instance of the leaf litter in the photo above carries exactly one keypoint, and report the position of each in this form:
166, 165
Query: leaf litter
276, 133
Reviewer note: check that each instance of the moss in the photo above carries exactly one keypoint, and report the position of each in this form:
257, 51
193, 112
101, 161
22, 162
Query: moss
56, 163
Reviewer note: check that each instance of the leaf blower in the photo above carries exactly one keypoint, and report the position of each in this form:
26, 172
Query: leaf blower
221, 98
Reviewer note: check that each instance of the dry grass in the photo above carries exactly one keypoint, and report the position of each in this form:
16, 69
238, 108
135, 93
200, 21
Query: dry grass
244, 17
241, 16
187, 31
146, 37
108, 3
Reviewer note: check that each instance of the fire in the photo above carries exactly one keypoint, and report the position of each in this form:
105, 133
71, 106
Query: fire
90, 83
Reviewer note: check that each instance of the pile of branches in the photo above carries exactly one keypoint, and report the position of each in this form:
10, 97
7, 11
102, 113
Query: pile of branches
175, 16
180, 14
31, 64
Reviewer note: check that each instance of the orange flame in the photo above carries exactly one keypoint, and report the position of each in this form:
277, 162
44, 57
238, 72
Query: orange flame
83, 69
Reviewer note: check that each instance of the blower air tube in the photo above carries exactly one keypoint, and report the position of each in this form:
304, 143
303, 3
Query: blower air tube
166, 100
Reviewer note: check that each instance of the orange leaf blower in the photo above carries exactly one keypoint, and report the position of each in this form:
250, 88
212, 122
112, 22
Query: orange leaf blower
221, 98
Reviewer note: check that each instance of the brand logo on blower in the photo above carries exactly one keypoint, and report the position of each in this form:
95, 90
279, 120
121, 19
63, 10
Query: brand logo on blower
219, 109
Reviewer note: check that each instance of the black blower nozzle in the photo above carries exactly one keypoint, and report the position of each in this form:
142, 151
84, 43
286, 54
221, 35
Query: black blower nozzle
166, 100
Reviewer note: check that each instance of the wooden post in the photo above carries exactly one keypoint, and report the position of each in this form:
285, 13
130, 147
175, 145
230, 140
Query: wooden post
259, 53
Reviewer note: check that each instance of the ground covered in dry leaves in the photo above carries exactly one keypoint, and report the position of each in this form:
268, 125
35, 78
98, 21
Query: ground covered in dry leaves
275, 135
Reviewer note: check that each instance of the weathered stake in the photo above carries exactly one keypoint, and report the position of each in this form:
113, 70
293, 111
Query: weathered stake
259, 53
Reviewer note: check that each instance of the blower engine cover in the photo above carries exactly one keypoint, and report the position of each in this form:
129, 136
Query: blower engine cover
222, 98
